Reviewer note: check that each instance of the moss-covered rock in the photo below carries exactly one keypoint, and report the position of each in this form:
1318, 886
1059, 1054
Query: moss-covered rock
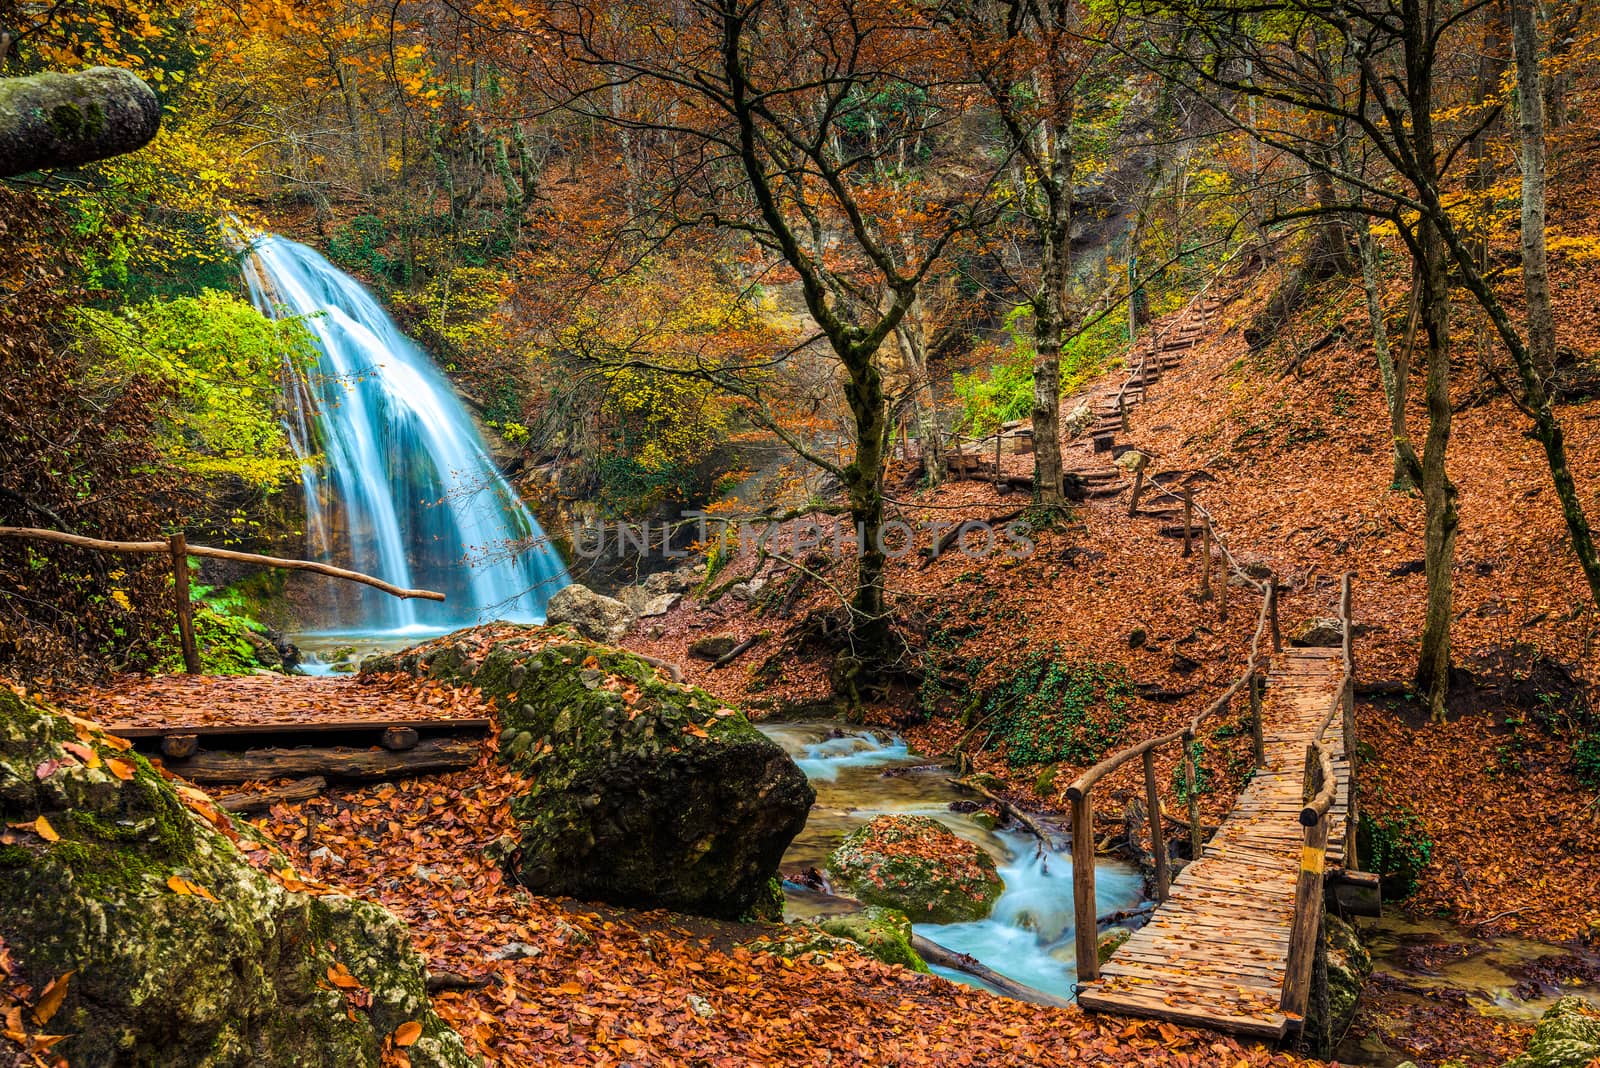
1568, 1036
182, 952
917, 865
805, 943
884, 933
1111, 941
641, 792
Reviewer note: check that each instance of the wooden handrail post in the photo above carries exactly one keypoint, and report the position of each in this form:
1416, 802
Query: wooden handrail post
1188, 521
1222, 589
1158, 838
1122, 410
178, 546
1086, 928
1353, 759
1272, 612
1138, 488
1351, 740
1308, 908
1205, 558
1191, 779
1257, 734
997, 459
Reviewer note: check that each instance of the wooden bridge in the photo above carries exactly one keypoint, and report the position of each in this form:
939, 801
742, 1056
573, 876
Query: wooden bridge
1233, 941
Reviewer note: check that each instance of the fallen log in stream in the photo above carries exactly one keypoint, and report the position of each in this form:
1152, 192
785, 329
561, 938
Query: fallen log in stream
934, 953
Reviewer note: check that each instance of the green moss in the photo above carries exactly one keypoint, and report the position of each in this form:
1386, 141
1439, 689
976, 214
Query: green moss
915, 864
884, 933
1568, 1036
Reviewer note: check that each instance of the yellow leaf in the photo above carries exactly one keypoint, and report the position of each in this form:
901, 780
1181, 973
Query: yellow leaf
42, 828
121, 769
407, 1033
179, 885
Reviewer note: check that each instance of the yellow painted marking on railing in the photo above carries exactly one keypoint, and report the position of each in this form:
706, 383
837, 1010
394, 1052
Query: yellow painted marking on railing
1311, 860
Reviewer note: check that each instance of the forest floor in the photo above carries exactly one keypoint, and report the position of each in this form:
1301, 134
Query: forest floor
1297, 455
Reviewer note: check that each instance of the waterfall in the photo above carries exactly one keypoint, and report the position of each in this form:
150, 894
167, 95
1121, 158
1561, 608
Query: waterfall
397, 481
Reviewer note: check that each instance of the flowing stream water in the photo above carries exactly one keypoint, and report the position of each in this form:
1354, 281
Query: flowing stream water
860, 774
397, 481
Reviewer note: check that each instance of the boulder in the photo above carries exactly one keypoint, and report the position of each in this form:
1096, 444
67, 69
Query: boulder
1567, 1036
1349, 965
917, 865
266, 653
660, 605
593, 615
180, 951
1133, 461
1078, 419
884, 933
1319, 632
640, 792
713, 647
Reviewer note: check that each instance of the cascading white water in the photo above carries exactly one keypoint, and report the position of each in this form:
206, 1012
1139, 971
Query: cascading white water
403, 475
1029, 936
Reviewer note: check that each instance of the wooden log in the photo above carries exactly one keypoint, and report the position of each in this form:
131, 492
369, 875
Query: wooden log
1272, 613
179, 746
178, 546
1352, 758
1205, 558
1222, 587
338, 763
1086, 935
934, 953
320, 568
1257, 732
1138, 488
399, 738
1158, 838
749, 643
1191, 779
1008, 809
299, 790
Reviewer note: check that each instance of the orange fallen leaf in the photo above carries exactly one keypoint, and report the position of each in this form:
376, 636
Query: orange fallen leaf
340, 977
407, 1033
122, 769
50, 1001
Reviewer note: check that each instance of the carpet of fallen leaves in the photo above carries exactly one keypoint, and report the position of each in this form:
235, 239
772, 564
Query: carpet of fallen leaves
570, 984
1513, 833
157, 701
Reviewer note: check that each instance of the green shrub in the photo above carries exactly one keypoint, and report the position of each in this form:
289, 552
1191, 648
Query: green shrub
1586, 759
1053, 709
1395, 845
221, 627
1004, 393
1180, 779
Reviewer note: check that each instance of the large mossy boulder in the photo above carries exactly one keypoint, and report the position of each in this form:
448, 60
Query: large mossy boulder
180, 951
883, 933
1349, 966
1567, 1036
917, 865
640, 791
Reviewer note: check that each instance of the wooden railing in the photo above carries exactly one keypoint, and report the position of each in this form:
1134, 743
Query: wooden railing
178, 548
1320, 791
1081, 792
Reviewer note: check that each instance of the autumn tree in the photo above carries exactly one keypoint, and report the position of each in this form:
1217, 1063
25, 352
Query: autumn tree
1379, 72
767, 126
1029, 58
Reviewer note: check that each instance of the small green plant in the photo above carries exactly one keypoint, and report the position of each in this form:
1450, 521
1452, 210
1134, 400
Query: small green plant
1053, 709
1586, 759
1395, 844
1181, 787
222, 625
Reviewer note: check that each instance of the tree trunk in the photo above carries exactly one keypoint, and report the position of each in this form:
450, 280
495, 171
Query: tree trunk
1049, 322
1530, 129
863, 483
1438, 492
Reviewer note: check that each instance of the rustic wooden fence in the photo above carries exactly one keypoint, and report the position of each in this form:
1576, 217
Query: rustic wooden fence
178, 548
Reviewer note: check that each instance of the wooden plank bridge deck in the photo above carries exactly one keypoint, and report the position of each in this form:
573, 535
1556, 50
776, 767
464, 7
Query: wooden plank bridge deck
1216, 953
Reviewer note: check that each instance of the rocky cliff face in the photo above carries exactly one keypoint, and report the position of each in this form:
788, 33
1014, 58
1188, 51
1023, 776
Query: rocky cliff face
184, 939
